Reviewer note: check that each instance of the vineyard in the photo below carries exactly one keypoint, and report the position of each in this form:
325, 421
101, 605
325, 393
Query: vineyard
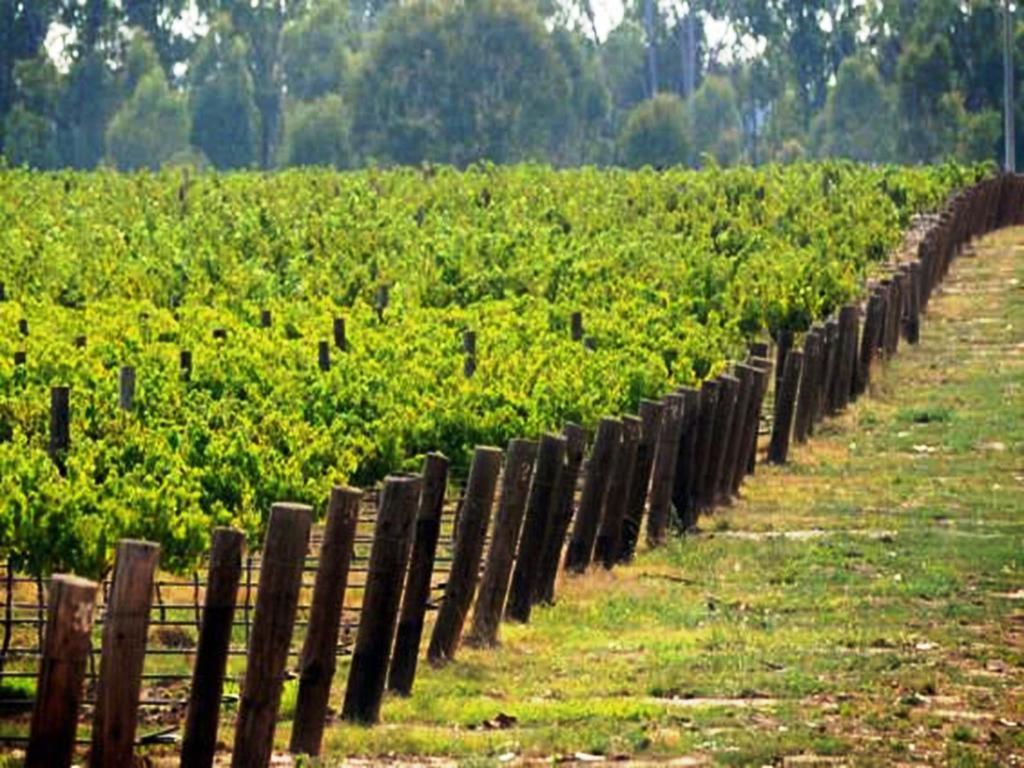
232, 341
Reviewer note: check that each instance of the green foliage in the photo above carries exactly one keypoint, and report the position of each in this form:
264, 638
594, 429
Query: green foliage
225, 122
656, 134
315, 51
858, 117
715, 122
460, 84
147, 265
317, 133
30, 139
150, 127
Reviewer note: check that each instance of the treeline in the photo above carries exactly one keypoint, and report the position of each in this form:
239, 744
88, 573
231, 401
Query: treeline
274, 83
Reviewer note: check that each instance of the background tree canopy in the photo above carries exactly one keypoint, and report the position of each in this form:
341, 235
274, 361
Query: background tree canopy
346, 83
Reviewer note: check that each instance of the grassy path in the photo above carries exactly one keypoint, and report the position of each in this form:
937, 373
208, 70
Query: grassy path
864, 605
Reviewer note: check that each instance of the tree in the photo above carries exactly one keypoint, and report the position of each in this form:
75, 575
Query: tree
225, 122
715, 121
923, 78
315, 51
857, 122
457, 85
23, 28
150, 127
30, 127
656, 134
317, 133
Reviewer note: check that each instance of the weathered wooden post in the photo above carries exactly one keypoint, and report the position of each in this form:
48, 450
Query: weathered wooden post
609, 535
124, 649
913, 324
20, 358
277, 599
421, 568
60, 427
845, 350
392, 540
185, 365
804, 421
663, 473
508, 522
469, 545
576, 326
683, 495
469, 349
745, 374
223, 575
80, 341
728, 390
778, 449
3, 291
340, 341
562, 512
126, 388
650, 426
540, 508
220, 334
65, 653
707, 400
830, 357
869, 341
323, 356
763, 369
783, 343
266, 319
23, 327
594, 495
320, 648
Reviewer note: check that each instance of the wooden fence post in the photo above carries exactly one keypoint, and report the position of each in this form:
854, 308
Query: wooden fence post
60, 427
20, 358
804, 421
421, 569
869, 341
913, 324
266, 319
562, 512
340, 341
540, 509
829, 358
320, 647
23, 327
683, 496
745, 374
763, 369
323, 356
392, 540
852, 358
609, 535
650, 426
124, 649
62, 665
845, 355
508, 522
728, 391
469, 545
778, 449
469, 349
594, 495
663, 474
223, 576
576, 326
126, 388
185, 365
783, 343
277, 599
707, 400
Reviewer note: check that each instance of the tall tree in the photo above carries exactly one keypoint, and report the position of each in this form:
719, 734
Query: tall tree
23, 29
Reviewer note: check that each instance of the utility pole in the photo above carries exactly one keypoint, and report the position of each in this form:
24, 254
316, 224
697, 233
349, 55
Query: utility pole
1009, 129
